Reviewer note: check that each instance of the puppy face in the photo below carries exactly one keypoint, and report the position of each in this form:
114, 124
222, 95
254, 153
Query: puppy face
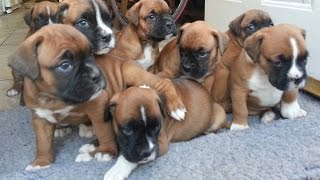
59, 66
137, 122
92, 18
43, 13
281, 52
153, 20
249, 22
199, 47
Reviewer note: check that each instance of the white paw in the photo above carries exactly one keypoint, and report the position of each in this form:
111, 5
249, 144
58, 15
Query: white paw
35, 168
61, 132
268, 117
292, 110
102, 157
120, 170
179, 114
86, 131
84, 157
12, 92
87, 148
235, 127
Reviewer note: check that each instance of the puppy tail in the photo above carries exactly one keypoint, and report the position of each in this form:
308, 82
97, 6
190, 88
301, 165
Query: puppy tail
218, 120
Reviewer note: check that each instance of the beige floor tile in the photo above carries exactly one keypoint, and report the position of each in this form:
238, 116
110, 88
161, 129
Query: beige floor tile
5, 101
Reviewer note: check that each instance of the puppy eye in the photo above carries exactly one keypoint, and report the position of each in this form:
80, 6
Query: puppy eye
251, 28
127, 131
277, 63
65, 66
151, 17
271, 24
202, 54
83, 23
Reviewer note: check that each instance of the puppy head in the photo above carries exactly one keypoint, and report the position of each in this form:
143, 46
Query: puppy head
137, 122
43, 13
92, 18
249, 22
59, 66
281, 52
200, 45
152, 19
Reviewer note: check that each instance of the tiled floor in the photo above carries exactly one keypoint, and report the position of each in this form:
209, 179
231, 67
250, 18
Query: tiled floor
13, 31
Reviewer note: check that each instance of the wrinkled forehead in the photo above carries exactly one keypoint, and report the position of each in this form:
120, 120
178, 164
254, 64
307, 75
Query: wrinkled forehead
255, 15
197, 37
77, 8
157, 6
42, 7
283, 41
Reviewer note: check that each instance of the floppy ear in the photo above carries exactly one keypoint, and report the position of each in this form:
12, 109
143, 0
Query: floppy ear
28, 17
25, 59
110, 107
133, 13
252, 45
304, 33
235, 25
223, 40
182, 28
61, 12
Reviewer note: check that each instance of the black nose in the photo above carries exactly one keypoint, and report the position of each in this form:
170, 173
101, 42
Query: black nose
145, 153
169, 24
105, 37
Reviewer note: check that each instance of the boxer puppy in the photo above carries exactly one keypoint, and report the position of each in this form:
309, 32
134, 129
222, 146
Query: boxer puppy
63, 85
150, 22
269, 71
143, 132
194, 54
92, 18
43, 13
239, 29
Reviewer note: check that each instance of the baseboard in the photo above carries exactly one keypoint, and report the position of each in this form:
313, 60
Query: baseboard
313, 87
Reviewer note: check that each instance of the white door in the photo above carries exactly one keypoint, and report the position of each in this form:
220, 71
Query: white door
304, 13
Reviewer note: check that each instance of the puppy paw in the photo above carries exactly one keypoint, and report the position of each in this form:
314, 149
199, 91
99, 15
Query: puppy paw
87, 148
84, 157
120, 170
178, 114
61, 132
86, 131
292, 110
101, 157
268, 117
31, 167
12, 92
236, 127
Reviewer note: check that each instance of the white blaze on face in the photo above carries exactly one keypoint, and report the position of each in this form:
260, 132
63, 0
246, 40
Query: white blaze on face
102, 25
294, 72
49, 17
144, 119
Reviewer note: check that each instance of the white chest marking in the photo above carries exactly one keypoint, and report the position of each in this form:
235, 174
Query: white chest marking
49, 17
146, 59
263, 90
294, 72
49, 114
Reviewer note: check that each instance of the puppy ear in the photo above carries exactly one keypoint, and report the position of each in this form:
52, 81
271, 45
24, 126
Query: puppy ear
182, 28
252, 45
28, 17
235, 25
110, 108
304, 33
25, 59
133, 13
61, 12
223, 40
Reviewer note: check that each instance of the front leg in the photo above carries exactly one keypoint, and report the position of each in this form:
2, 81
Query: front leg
239, 108
289, 105
44, 132
120, 170
134, 75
